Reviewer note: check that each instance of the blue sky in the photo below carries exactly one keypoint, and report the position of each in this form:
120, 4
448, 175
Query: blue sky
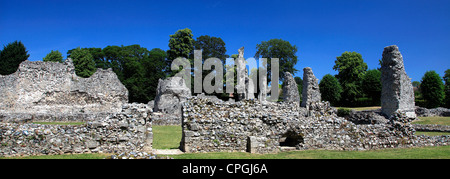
321, 29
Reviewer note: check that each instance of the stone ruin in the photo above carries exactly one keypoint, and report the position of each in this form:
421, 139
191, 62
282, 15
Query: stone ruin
311, 93
51, 91
169, 95
252, 126
397, 93
290, 89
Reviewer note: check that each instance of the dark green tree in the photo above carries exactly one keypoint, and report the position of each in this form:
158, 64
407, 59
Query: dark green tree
154, 70
432, 89
351, 68
447, 88
281, 49
53, 56
114, 57
181, 44
330, 89
212, 47
371, 85
83, 62
299, 82
98, 56
11, 56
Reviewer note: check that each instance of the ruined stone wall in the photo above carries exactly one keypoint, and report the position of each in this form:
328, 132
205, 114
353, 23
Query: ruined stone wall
50, 88
128, 130
266, 127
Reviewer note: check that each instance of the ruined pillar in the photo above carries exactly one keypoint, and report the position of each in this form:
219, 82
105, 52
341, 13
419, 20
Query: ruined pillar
311, 92
290, 89
397, 93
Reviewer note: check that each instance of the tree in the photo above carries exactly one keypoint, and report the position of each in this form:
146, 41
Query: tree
53, 56
371, 85
330, 89
83, 62
351, 68
154, 70
281, 49
212, 47
432, 89
299, 82
447, 88
11, 56
181, 44
98, 56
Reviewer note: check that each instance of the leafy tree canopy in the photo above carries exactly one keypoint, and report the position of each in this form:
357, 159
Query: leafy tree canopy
53, 56
432, 89
281, 49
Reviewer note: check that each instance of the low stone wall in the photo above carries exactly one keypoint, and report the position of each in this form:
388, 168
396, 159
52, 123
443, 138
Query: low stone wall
431, 128
129, 130
266, 127
54, 117
424, 112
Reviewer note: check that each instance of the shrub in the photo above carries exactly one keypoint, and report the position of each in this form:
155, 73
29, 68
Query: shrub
342, 112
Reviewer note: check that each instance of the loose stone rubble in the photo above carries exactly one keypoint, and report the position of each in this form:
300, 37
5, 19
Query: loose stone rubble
397, 93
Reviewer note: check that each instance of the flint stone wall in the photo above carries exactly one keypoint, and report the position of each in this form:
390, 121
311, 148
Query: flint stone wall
311, 92
424, 112
397, 93
264, 128
129, 130
290, 89
53, 89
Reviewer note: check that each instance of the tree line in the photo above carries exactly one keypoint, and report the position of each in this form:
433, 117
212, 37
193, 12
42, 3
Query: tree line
139, 69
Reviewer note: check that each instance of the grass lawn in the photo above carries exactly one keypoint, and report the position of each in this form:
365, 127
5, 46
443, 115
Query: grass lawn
166, 137
433, 120
361, 108
441, 152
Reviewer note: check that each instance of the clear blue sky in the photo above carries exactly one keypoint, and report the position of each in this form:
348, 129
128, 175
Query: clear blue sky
322, 30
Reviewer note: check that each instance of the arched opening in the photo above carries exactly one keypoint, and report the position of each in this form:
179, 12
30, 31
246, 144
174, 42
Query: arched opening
291, 139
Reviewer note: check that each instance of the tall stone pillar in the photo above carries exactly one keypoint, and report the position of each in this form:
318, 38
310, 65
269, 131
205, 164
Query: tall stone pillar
397, 93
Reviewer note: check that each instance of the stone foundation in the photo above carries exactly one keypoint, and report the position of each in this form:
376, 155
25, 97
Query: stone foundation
267, 127
128, 130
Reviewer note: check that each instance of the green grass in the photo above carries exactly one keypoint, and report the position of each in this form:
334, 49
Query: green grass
433, 120
360, 108
441, 152
432, 133
60, 123
166, 137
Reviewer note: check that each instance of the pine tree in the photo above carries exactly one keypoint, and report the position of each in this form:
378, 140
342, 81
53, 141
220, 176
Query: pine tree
11, 56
